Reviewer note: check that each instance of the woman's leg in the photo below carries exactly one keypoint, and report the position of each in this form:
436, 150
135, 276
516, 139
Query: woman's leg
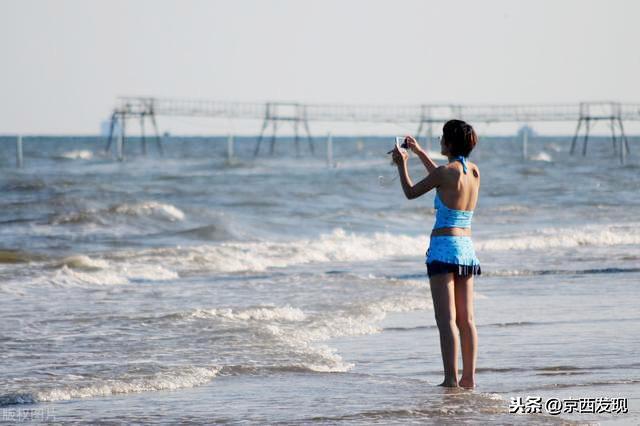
466, 324
445, 312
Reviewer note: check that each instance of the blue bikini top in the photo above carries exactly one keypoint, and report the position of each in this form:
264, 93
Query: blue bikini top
451, 218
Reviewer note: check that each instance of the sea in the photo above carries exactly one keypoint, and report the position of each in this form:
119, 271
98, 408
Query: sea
290, 287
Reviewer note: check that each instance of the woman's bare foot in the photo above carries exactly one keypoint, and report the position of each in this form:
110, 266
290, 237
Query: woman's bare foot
449, 384
467, 383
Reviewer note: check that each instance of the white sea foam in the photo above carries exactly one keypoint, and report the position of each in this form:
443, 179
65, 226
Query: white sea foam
80, 154
67, 277
304, 343
84, 216
590, 235
184, 377
162, 264
266, 313
331, 361
356, 320
84, 271
150, 272
150, 208
298, 332
494, 396
340, 246
153, 209
401, 304
290, 327
303, 332
83, 262
541, 156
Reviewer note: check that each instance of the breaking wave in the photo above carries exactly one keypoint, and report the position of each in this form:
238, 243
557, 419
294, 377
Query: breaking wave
590, 235
180, 378
151, 209
295, 335
265, 313
79, 154
340, 246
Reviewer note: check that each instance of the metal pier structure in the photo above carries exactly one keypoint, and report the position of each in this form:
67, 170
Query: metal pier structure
423, 116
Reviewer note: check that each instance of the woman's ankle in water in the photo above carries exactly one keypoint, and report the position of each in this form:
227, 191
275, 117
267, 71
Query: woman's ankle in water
467, 382
450, 383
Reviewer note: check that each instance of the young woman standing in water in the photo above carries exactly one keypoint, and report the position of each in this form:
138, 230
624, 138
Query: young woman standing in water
451, 260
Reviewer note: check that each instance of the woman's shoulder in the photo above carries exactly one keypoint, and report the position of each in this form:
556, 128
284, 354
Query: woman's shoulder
471, 163
452, 173
456, 169
474, 168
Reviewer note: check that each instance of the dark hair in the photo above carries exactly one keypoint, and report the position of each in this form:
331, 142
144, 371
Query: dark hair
459, 137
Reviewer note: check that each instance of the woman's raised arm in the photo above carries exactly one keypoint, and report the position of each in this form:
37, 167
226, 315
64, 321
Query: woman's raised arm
412, 191
413, 145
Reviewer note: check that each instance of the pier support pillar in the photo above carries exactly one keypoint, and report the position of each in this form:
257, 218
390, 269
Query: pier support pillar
624, 147
158, 139
144, 139
329, 150
586, 136
309, 138
575, 136
272, 147
120, 142
230, 143
114, 118
296, 138
19, 162
265, 123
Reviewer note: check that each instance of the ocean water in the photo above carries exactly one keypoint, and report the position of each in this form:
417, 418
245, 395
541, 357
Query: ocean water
189, 288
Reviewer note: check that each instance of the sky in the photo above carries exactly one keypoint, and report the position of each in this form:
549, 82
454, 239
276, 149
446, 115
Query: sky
65, 62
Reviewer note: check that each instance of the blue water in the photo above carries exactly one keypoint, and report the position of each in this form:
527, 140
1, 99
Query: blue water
195, 288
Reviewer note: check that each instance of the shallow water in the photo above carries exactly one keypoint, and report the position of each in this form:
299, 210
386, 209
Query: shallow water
277, 289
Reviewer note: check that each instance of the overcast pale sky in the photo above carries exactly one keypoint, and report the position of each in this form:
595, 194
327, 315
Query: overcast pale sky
65, 62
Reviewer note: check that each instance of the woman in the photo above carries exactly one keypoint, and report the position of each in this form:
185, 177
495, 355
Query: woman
451, 260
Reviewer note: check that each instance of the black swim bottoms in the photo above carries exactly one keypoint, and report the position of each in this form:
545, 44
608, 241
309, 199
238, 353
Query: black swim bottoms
436, 267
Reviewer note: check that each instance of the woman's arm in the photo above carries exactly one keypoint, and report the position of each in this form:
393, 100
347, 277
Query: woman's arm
422, 154
426, 160
412, 191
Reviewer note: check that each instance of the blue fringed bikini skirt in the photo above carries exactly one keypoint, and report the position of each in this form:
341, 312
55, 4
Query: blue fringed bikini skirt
454, 254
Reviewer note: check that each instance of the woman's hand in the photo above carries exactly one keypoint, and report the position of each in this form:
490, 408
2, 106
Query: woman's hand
412, 144
399, 157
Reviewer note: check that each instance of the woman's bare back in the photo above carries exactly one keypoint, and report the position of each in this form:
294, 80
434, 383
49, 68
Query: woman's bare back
458, 190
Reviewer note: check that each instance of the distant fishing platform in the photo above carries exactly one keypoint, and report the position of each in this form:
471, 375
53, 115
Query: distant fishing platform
144, 109
424, 116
